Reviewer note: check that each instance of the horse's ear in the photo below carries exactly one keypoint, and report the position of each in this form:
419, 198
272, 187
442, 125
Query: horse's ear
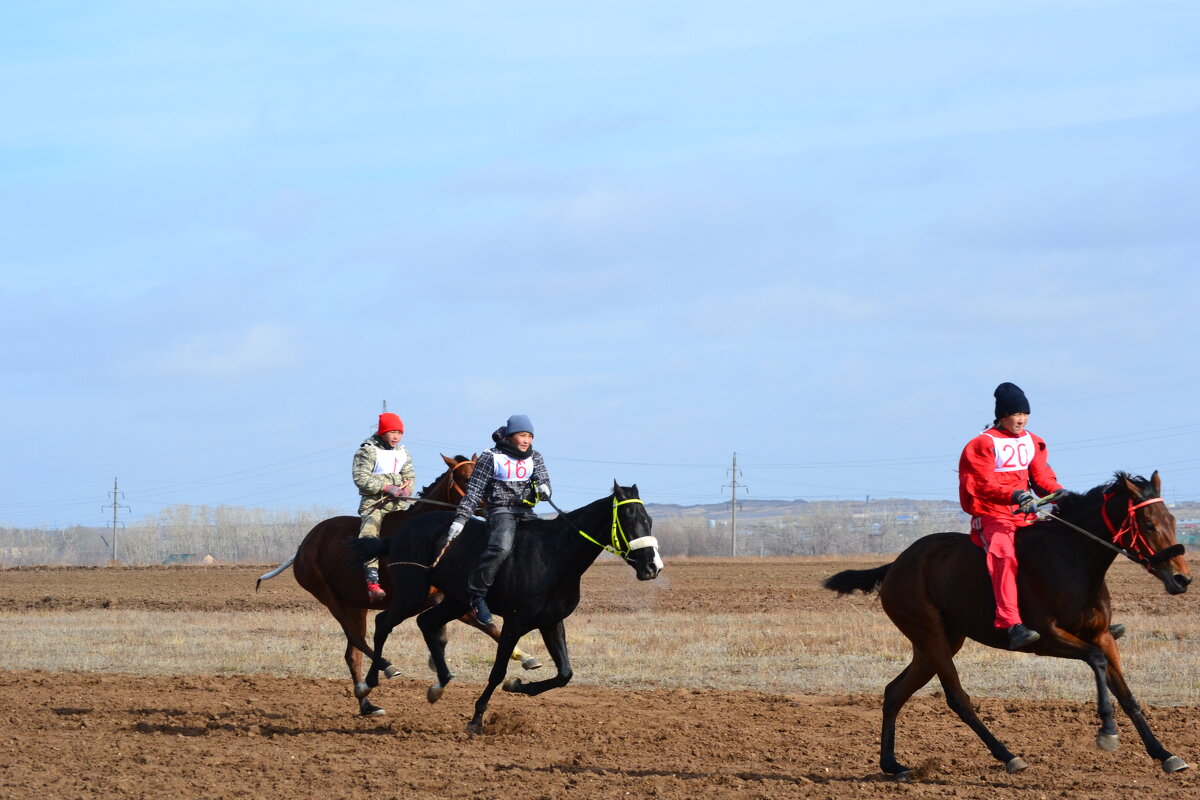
1131, 487
449, 461
633, 491
617, 490
1157, 483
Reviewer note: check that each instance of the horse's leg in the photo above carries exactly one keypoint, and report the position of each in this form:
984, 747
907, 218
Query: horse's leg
510, 634
432, 623
1133, 709
555, 637
913, 677
941, 658
527, 661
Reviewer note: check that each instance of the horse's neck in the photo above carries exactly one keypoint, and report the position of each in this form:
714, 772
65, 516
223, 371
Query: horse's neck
593, 520
1084, 551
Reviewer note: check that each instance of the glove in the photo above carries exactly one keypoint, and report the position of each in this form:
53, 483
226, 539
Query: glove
1025, 501
397, 491
544, 492
455, 529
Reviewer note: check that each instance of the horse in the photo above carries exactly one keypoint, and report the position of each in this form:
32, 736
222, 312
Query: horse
537, 587
329, 572
937, 593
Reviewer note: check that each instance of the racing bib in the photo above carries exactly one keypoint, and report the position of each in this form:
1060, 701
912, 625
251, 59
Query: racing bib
509, 469
1013, 455
389, 462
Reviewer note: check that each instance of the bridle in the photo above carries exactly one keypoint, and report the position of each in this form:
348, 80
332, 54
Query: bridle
621, 545
1128, 540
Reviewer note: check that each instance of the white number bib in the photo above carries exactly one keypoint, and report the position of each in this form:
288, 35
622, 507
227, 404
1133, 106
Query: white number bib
1013, 455
389, 462
510, 469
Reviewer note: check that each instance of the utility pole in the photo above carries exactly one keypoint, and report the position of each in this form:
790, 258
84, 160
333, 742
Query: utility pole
117, 505
734, 474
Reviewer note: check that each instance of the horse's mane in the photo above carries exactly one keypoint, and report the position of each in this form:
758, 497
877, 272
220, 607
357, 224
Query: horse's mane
458, 459
1071, 502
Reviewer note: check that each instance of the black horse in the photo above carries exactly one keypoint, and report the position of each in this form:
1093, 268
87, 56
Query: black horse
538, 587
937, 593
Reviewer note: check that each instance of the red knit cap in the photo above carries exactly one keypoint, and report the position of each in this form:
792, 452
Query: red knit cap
390, 422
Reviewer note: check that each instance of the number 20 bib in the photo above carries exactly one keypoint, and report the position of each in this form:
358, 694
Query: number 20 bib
1013, 455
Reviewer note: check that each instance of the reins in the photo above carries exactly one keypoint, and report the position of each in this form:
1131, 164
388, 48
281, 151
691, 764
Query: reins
1130, 526
620, 546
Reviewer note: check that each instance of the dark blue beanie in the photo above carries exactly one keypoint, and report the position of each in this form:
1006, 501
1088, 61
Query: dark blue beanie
1010, 400
517, 423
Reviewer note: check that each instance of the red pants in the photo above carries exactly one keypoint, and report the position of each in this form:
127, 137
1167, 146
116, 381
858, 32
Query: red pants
996, 535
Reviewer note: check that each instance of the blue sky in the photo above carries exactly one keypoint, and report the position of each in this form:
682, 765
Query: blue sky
817, 235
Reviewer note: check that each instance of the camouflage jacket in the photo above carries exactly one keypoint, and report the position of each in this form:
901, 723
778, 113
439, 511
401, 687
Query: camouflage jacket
367, 461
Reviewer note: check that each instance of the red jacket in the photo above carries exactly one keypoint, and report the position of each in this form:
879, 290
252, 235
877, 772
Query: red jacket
994, 465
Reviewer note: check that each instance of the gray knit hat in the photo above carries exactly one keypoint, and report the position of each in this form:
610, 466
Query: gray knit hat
518, 423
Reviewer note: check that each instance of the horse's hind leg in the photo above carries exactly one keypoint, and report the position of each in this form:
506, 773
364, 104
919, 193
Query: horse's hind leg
942, 661
432, 623
915, 675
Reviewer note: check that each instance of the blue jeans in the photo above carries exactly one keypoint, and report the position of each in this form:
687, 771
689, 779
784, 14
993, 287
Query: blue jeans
501, 531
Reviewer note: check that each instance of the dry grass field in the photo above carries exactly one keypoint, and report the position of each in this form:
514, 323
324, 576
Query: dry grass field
722, 678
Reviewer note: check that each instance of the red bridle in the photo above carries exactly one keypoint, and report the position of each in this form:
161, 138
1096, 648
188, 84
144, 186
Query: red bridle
1129, 536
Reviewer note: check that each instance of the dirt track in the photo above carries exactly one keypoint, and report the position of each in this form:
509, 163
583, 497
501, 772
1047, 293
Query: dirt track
78, 735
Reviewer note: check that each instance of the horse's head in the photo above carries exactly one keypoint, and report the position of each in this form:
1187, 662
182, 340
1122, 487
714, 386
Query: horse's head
634, 524
458, 474
1148, 529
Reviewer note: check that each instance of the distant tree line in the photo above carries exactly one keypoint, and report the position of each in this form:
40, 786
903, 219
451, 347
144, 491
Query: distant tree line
233, 534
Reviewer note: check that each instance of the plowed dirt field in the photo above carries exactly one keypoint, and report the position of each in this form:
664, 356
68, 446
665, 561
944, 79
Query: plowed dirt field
92, 735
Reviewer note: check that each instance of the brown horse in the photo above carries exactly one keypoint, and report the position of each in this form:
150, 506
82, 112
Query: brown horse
938, 594
327, 569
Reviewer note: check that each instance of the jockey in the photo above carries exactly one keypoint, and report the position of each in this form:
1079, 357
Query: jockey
514, 478
383, 472
998, 473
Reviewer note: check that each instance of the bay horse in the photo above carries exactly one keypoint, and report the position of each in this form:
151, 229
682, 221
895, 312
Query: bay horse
536, 588
329, 571
937, 593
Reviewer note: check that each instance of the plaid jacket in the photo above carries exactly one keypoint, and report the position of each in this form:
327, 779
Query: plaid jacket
501, 494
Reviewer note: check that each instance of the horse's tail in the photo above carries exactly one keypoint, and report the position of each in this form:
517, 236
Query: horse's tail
366, 548
274, 572
864, 580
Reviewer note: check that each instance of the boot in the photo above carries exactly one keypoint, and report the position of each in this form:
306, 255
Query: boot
375, 592
1019, 636
1116, 630
482, 613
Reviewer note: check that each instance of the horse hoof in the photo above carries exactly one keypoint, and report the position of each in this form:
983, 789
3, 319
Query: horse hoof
391, 671
368, 709
512, 685
475, 728
434, 692
361, 690
531, 662
1175, 764
1107, 742
1015, 765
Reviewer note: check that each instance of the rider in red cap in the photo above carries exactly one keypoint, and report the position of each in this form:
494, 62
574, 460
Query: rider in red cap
998, 473
384, 474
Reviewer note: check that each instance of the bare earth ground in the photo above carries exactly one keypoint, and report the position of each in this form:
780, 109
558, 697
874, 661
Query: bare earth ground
70, 735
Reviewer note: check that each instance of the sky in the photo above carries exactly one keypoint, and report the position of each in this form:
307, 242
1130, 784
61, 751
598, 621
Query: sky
816, 235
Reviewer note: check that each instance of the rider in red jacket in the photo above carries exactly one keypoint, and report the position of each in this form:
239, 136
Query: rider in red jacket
998, 474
